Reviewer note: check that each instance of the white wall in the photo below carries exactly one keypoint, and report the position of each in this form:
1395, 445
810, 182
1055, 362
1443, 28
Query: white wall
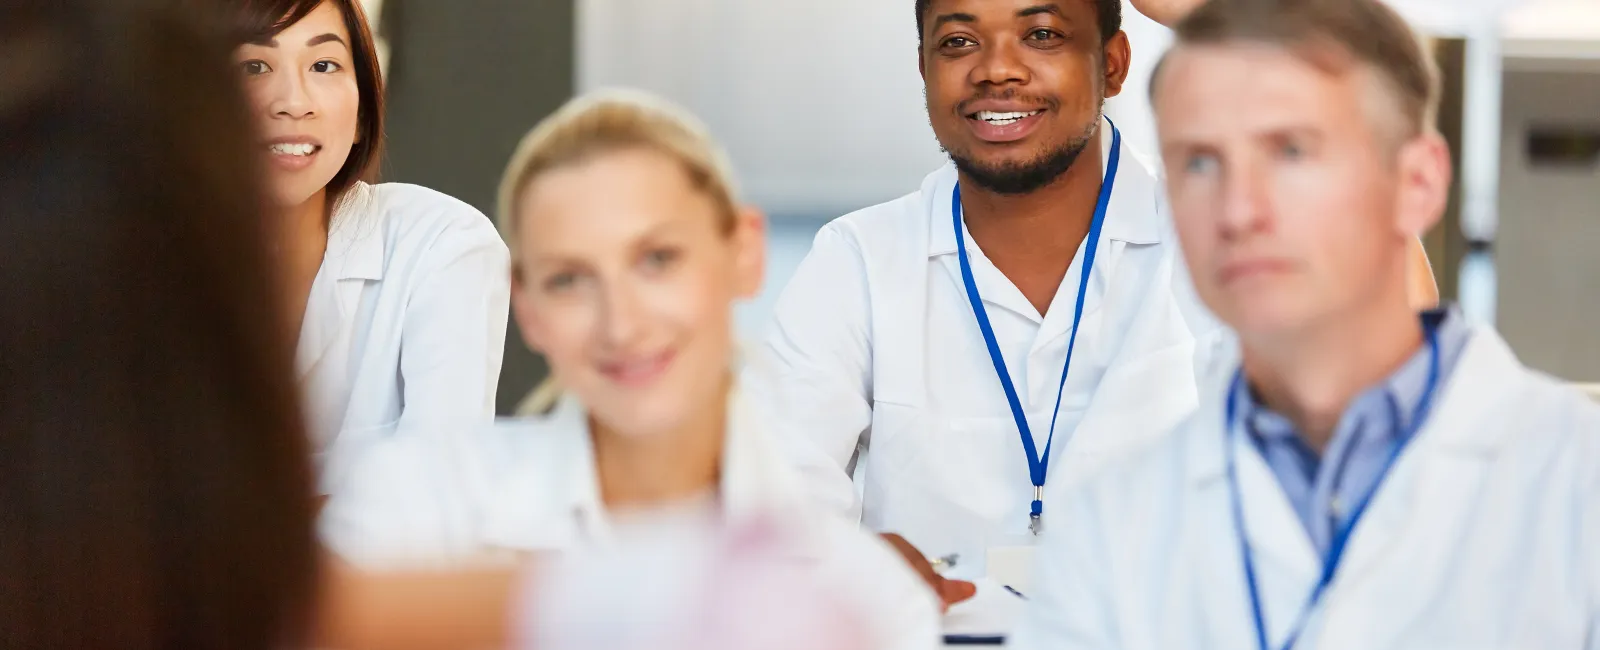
1548, 243
818, 101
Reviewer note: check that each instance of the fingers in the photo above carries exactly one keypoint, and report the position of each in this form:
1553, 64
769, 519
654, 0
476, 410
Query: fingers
955, 591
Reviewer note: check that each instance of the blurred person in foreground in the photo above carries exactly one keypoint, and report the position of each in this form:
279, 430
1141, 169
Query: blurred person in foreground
630, 252
155, 485
1361, 477
156, 488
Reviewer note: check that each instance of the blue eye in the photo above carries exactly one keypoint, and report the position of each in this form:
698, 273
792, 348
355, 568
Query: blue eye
1041, 35
660, 258
1291, 151
1201, 164
560, 282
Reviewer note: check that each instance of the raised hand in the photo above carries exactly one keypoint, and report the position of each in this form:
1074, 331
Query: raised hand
1166, 12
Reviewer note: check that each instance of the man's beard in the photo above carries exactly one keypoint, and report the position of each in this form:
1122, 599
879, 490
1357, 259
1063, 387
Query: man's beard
1013, 178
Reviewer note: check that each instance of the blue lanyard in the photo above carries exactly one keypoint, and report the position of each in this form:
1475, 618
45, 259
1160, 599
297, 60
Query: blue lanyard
1342, 532
1037, 465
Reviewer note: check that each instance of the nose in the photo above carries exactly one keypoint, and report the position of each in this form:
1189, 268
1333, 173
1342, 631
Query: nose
999, 65
622, 316
289, 98
1246, 198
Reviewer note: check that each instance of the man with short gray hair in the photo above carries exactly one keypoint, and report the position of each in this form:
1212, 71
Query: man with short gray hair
1360, 477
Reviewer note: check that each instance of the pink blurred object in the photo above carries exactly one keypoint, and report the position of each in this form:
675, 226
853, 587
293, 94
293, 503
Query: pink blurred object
686, 587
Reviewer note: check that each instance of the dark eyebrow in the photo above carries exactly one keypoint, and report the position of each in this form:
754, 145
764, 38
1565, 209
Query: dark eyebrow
326, 38
953, 18
1041, 9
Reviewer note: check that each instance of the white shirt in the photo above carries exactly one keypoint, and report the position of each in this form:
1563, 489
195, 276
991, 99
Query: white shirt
874, 344
531, 485
405, 323
1486, 534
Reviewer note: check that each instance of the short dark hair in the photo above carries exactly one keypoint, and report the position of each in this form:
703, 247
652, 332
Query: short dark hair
155, 485
1367, 31
1109, 12
260, 20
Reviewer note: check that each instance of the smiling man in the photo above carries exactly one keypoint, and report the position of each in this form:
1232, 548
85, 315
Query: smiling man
965, 349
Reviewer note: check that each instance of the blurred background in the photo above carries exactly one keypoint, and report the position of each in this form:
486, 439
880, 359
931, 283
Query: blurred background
820, 106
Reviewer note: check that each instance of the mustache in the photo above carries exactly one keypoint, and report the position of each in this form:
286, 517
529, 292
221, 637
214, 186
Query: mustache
1009, 95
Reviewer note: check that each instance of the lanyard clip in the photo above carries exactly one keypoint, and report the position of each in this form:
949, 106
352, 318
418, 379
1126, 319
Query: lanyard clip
1035, 518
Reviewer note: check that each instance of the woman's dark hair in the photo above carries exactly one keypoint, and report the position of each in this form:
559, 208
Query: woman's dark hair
259, 21
155, 484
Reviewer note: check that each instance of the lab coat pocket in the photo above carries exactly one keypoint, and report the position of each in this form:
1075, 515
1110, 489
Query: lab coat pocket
980, 465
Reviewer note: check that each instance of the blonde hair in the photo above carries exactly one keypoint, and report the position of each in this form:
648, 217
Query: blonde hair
608, 122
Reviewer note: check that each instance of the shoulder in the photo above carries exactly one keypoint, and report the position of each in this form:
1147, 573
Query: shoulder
429, 494
1563, 418
415, 218
896, 223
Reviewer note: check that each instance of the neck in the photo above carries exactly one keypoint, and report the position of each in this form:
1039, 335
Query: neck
302, 241
1311, 376
648, 470
1041, 220
1025, 235
302, 221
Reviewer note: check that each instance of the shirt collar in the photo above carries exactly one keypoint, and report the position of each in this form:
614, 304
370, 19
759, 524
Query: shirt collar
755, 482
355, 235
1135, 216
1400, 393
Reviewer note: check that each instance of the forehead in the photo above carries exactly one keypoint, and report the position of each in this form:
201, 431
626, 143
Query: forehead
1008, 11
327, 18
1207, 90
613, 196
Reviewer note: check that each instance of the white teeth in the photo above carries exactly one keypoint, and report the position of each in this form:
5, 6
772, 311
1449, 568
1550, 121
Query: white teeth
1002, 119
293, 149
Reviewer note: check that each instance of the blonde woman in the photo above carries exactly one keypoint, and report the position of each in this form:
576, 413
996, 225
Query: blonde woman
629, 251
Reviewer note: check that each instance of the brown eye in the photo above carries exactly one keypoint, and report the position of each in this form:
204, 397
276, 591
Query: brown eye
255, 67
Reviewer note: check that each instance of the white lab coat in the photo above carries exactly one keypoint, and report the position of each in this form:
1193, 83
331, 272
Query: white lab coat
530, 485
1485, 535
405, 324
874, 344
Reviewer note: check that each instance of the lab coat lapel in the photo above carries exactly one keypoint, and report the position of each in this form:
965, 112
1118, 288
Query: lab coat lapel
1415, 520
541, 505
355, 255
1287, 565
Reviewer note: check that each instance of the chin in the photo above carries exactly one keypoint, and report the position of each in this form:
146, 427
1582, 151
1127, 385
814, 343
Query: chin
1269, 316
287, 194
641, 414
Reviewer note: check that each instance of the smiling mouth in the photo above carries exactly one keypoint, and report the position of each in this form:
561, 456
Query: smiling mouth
996, 118
294, 149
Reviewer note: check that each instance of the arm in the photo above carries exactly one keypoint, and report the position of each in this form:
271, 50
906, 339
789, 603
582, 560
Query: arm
812, 376
414, 610
1420, 285
455, 329
1166, 12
